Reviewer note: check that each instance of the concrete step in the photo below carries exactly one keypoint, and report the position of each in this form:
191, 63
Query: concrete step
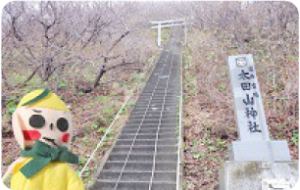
138, 176
147, 142
148, 136
134, 166
163, 94
150, 125
153, 111
161, 102
150, 110
154, 106
142, 149
153, 120
155, 115
134, 157
149, 130
153, 98
136, 185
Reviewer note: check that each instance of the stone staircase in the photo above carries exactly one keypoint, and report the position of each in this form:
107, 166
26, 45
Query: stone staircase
145, 155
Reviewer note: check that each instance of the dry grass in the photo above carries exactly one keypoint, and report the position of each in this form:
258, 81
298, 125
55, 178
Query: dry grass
209, 109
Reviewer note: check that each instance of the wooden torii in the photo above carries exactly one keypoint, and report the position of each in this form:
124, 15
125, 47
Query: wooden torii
169, 23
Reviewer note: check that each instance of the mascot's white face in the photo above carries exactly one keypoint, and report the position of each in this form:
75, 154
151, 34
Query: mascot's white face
50, 126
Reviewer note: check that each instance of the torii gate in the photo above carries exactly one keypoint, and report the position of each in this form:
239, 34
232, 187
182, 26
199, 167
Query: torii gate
169, 23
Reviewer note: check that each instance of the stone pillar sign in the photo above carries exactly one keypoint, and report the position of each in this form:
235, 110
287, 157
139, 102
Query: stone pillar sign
255, 162
250, 114
254, 144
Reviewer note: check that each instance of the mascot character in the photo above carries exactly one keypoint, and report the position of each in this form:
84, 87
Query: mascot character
42, 126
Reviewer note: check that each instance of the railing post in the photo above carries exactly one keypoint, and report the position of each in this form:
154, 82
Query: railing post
159, 34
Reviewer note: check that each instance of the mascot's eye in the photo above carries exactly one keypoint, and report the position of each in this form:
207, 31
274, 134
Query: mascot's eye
37, 121
62, 124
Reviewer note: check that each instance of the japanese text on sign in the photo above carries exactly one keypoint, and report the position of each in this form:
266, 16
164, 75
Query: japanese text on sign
245, 78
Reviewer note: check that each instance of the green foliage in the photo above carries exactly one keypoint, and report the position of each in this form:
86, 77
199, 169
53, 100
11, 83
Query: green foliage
86, 140
80, 93
187, 58
185, 147
165, 33
154, 33
82, 161
195, 142
110, 133
95, 125
282, 126
103, 99
62, 85
222, 86
102, 129
212, 148
194, 151
7, 181
221, 144
164, 36
9, 160
292, 57
197, 156
252, 42
124, 110
11, 106
278, 88
130, 103
295, 137
108, 111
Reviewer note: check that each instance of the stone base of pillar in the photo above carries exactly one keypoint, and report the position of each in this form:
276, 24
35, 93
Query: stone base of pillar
249, 175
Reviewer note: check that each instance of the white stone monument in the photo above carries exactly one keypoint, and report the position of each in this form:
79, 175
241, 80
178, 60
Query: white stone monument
255, 143
255, 159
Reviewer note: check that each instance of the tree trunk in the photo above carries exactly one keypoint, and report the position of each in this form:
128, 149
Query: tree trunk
47, 68
3, 77
59, 76
101, 72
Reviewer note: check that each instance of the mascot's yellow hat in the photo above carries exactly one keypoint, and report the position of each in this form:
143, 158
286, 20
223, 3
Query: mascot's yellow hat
43, 99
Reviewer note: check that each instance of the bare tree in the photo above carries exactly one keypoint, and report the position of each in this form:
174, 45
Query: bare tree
57, 38
14, 15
